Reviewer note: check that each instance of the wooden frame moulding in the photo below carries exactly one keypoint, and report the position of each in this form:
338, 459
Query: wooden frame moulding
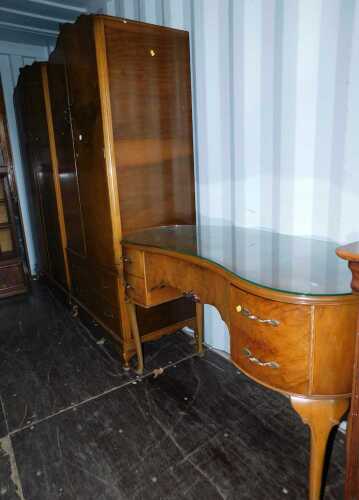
55, 171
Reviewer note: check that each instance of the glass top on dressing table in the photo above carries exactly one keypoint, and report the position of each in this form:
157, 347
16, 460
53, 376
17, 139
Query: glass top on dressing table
292, 264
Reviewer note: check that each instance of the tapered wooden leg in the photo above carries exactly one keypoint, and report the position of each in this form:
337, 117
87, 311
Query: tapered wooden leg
199, 326
131, 309
321, 416
126, 356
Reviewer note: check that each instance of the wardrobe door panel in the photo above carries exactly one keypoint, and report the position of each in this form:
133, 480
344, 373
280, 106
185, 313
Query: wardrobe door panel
36, 150
49, 217
73, 211
44, 179
86, 115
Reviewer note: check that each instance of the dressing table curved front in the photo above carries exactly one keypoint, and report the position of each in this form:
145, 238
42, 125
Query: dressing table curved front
287, 303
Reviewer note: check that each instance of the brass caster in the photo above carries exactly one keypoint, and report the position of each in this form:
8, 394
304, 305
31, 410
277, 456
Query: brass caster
75, 311
157, 372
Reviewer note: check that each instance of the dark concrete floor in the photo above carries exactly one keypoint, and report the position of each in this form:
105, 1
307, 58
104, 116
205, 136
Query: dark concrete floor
74, 425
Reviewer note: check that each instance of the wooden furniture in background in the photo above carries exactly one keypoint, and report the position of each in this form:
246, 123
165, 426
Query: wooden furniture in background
292, 327
351, 254
120, 109
12, 255
34, 119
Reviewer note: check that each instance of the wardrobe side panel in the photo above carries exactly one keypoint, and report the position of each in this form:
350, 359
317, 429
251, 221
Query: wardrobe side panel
150, 89
23, 88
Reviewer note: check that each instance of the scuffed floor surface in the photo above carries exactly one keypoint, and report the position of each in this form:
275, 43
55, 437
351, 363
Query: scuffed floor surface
74, 425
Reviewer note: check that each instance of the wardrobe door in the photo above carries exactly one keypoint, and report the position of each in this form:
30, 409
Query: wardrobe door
67, 167
36, 150
86, 116
44, 178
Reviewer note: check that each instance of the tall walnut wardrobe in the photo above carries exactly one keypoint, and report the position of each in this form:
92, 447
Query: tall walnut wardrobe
35, 125
120, 98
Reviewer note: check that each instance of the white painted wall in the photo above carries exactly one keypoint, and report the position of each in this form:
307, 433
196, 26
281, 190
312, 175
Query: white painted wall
12, 57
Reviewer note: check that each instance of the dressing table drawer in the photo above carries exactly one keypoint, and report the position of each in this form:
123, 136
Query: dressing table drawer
270, 340
134, 262
136, 289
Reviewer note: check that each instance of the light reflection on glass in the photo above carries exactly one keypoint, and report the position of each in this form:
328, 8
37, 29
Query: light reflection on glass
291, 264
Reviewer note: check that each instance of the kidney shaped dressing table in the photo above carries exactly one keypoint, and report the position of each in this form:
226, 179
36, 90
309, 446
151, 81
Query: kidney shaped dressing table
287, 303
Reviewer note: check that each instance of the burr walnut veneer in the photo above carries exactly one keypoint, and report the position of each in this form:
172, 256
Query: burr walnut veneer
286, 301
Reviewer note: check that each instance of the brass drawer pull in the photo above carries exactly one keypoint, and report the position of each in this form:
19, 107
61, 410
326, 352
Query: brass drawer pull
191, 296
245, 312
256, 361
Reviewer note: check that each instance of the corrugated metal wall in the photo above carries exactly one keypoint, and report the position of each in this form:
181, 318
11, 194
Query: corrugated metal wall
276, 111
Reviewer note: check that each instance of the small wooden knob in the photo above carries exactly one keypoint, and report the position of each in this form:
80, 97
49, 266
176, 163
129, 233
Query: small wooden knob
238, 308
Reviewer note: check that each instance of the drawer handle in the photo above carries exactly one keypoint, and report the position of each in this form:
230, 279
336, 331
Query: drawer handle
191, 296
258, 362
128, 286
127, 260
247, 313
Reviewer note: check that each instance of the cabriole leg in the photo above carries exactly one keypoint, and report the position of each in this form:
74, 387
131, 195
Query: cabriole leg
199, 327
321, 416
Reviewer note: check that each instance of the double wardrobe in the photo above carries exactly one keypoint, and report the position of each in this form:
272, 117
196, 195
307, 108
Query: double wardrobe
106, 132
